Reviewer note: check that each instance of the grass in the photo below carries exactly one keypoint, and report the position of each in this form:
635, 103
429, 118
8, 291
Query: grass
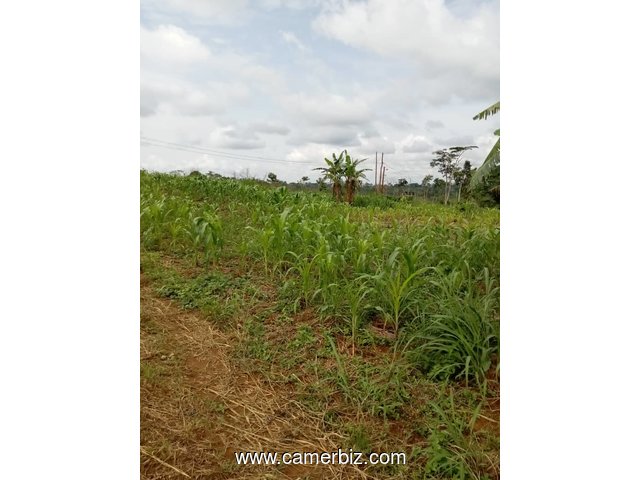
381, 320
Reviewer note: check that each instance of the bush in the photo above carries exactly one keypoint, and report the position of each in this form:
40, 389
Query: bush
379, 201
458, 336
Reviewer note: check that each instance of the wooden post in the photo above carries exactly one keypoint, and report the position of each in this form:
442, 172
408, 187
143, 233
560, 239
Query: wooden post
380, 183
384, 170
375, 178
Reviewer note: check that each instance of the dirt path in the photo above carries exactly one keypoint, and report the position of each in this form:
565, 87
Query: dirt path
198, 406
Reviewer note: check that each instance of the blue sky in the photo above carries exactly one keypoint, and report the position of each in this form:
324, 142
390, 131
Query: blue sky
276, 85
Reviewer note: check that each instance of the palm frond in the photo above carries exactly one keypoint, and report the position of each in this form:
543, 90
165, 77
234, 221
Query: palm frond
489, 163
492, 110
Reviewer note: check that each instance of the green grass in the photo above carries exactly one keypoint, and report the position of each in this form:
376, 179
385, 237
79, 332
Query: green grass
371, 311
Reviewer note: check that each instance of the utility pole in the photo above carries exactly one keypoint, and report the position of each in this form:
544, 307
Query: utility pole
375, 178
381, 182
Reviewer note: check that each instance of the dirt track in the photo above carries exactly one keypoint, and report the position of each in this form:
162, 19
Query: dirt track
199, 406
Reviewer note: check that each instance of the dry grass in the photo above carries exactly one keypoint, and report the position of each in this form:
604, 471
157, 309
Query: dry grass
198, 407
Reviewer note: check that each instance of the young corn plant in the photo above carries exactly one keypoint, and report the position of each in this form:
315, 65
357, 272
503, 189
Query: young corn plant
361, 255
357, 301
263, 241
153, 217
281, 231
304, 268
396, 286
205, 233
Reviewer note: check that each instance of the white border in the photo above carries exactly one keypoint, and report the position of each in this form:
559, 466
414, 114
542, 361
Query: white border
569, 257
69, 104
69, 243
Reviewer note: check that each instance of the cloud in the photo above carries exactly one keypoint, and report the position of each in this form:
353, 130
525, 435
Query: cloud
434, 124
311, 153
171, 96
430, 34
291, 38
371, 145
340, 137
168, 45
261, 78
236, 139
329, 109
389, 77
416, 144
269, 128
176, 67
217, 12
292, 4
455, 141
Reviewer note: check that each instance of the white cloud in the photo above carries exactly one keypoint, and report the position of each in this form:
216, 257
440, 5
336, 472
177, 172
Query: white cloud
292, 4
416, 144
261, 78
200, 11
172, 96
269, 128
181, 75
371, 145
168, 45
230, 87
176, 127
433, 124
455, 141
329, 109
290, 37
424, 31
312, 153
339, 136
233, 138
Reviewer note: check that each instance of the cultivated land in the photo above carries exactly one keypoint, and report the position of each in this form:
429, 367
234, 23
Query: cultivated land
279, 321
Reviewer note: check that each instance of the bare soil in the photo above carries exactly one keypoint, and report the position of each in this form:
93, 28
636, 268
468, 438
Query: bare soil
199, 406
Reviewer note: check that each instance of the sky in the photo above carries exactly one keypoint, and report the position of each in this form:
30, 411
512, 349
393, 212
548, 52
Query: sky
248, 87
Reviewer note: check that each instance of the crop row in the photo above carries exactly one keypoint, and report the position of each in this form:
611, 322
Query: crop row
427, 276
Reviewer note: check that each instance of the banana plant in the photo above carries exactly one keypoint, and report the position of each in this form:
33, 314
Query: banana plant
353, 176
334, 172
493, 159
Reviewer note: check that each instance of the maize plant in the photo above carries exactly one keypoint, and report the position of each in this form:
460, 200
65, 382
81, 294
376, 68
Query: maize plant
205, 235
430, 271
395, 285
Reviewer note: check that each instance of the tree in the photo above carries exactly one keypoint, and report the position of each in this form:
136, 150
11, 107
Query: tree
487, 191
402, 182
462, 178
493, 159
321, 185
353, 176
272, 177
334, 172
446, 162
439, 185
304, 179
426, 183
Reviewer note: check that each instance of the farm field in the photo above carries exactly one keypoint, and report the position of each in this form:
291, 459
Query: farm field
281, 321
